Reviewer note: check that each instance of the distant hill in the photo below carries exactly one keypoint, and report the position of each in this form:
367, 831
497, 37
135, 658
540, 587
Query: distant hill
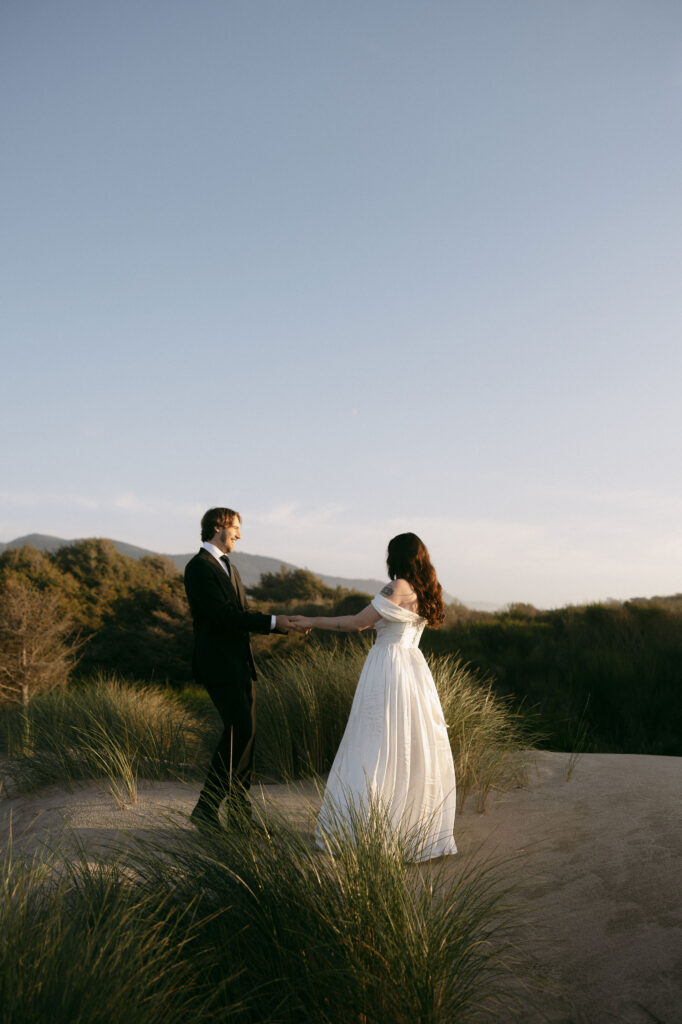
45, 542
250, 567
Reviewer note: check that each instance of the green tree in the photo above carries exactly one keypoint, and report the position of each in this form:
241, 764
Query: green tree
290, 585
36, 568
100, 575
132, 613
146, 632
352, 602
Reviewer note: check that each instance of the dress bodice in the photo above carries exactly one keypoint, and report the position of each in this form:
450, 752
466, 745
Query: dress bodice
397, 625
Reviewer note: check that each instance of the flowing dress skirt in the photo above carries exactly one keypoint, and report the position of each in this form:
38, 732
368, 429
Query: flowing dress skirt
395, 752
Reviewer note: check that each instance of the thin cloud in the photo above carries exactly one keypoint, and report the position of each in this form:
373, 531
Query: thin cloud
293, 516
36, 499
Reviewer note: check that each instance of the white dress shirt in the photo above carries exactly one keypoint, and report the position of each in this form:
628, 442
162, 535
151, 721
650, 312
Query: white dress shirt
218, 555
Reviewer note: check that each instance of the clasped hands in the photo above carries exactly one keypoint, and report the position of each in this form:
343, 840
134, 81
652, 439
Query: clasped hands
298, 623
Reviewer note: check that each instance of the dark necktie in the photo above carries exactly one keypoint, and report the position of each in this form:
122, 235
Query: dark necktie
226, 562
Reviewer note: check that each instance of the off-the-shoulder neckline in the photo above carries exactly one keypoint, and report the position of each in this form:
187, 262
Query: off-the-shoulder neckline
400, 607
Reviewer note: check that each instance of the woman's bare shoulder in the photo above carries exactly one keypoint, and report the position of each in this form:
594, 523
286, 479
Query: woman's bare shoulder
400, 592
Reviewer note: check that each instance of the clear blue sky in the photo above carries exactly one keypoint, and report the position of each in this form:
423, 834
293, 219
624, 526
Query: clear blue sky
351, 268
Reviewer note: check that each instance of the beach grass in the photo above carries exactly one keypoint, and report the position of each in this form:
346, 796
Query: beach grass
103, 729
257, 927
303, 705
124, 731
81, 944
254, 926
490, 739
304, 702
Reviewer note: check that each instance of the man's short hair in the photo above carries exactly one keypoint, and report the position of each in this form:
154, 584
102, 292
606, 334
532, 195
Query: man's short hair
215, 518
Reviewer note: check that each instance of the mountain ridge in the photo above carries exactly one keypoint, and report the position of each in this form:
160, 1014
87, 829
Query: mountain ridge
250, 567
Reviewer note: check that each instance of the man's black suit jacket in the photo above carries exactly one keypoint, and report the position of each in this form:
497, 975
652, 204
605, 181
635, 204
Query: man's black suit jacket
222, 660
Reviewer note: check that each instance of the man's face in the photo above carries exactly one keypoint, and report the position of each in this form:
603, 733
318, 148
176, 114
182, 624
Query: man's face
226, 536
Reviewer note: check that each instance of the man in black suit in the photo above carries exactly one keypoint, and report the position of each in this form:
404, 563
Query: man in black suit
223, 662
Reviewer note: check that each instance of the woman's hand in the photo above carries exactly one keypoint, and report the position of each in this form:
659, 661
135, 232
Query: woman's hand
301, 623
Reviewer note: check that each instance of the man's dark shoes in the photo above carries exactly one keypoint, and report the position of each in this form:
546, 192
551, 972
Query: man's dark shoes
205, 820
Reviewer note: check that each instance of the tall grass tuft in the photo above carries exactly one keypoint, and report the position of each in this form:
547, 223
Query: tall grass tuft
82, 944
489, 739
122, 731
359, 937
256, 928
304, 702
103, 729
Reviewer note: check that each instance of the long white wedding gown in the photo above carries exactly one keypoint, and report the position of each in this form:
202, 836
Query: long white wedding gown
395, 749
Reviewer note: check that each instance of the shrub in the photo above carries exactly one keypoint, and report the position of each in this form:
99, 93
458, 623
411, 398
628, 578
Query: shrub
604, 675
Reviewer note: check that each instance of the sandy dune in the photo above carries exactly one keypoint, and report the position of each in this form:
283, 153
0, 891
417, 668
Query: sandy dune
598, 863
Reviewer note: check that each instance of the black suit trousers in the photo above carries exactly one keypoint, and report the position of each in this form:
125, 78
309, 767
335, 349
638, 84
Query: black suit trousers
229, 774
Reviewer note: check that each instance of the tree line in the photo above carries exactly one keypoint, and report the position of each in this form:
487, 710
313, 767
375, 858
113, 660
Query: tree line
602, 677
86, 608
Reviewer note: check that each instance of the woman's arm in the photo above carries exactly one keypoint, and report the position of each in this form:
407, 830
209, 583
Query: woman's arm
369, 616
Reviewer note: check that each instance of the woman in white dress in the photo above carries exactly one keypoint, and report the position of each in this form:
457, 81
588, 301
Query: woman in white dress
395, 751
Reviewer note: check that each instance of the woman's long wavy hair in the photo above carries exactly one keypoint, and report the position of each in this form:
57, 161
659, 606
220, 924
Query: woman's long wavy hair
409, 560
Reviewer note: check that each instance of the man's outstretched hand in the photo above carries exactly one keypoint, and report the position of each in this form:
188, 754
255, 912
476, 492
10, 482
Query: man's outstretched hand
283, 623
